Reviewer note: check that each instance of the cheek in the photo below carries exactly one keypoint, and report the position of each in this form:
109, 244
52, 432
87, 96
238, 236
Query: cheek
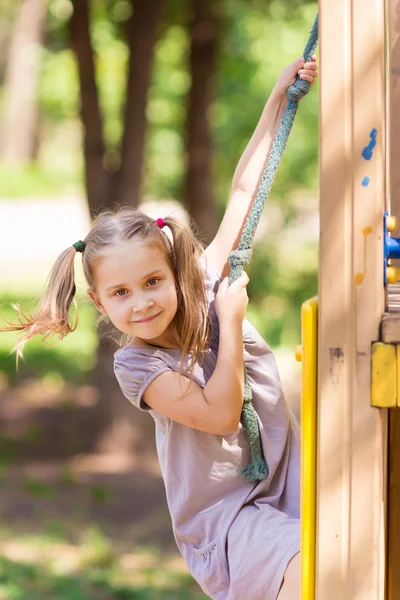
170, 298
174, 301
115, 309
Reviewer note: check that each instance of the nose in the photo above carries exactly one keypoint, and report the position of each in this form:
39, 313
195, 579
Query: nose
141, 303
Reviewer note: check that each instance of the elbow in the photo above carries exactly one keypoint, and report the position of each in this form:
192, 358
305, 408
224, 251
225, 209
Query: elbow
242, 187
230, 425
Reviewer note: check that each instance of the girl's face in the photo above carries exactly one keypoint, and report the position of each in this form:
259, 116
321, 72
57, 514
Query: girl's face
135, 287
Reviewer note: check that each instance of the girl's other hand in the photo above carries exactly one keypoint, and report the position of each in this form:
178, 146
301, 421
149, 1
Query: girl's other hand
231, 301
307, 71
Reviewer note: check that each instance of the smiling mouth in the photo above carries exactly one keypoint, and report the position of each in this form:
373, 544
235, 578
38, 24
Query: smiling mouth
147, 320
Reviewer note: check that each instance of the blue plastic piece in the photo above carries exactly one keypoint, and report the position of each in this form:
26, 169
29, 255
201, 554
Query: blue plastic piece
391, 246
394, 247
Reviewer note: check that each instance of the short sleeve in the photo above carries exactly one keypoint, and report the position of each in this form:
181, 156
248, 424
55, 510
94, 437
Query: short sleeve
135, 370
212, 277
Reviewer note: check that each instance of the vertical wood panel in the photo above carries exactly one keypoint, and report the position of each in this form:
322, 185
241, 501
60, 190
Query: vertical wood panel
352, 434
394, 186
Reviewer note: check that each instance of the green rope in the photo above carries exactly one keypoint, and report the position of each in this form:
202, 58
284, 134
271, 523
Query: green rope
258, 468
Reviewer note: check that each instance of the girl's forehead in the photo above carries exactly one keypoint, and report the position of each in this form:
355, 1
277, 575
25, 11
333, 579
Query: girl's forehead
131, 258
150, 248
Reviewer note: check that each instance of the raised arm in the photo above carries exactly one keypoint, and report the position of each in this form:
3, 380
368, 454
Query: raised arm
251, 165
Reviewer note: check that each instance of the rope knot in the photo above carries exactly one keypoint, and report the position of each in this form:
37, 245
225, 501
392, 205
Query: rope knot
298, 90
240, 257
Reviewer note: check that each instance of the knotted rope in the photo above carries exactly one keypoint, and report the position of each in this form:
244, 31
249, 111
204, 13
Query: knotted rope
258, 468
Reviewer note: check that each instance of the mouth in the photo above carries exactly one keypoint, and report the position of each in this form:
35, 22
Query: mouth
148, 320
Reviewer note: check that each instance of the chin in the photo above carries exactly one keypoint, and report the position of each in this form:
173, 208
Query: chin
148, 333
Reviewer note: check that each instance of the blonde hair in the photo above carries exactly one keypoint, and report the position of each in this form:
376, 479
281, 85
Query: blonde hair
191, 325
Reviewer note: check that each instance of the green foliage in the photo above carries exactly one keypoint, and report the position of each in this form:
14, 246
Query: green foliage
39, 180
280, 281
59, 89
256, 46
96, 550
40, 489
166, 115
71, 359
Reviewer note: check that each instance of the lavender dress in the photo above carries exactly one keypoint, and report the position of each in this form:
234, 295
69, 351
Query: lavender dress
236, 537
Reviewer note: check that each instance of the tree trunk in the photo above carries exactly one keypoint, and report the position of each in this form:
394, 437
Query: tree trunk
22, 72
97, 178
142, 34
198, 192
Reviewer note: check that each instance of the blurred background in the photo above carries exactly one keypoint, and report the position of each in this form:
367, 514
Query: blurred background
140, 102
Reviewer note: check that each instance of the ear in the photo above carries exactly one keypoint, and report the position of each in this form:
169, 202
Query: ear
96, 302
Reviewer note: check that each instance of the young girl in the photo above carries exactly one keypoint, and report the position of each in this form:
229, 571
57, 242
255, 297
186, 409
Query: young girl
185, 340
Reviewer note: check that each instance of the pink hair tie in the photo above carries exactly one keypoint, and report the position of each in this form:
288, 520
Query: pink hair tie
160, 223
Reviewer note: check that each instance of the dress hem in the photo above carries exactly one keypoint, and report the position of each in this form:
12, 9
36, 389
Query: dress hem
275, 586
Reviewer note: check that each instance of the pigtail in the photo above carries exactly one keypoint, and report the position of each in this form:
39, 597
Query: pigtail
51, 316
192, 315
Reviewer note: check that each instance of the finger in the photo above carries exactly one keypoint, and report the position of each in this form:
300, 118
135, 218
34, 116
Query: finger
240, 282
314, 57
307, 78
223, 286
310, 65
308, 72
299, 62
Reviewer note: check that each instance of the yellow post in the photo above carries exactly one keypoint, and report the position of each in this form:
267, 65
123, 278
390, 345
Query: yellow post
309, 357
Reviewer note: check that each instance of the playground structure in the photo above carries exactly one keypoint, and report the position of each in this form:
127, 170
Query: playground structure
351, 366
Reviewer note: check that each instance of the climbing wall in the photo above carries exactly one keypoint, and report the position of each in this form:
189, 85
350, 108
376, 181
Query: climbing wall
352, 435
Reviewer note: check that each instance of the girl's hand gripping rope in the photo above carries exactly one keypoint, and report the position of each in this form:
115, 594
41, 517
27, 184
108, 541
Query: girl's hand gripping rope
307, 71
231, 301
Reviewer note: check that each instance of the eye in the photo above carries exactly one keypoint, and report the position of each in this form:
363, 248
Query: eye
117, 293
151, 282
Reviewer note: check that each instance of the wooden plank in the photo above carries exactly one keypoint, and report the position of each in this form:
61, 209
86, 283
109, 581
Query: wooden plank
352, 435
393, 590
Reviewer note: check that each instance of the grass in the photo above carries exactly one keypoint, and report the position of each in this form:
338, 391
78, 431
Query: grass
52, 565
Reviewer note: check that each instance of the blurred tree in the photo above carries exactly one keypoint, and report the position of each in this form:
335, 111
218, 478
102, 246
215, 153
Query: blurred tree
19, 127
142, 35
115, 177
96, 177
7, 15
198, 189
